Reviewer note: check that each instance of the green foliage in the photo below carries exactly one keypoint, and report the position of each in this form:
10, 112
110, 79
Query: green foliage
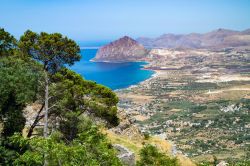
11, 148
7, 156
19, 83
20, 78
150, 156
241, 163
76, 141
78, 96
12, 116
74, 96
146, 136
52, 50
215, 160
69, 126
198, 108
7, 43
89, 148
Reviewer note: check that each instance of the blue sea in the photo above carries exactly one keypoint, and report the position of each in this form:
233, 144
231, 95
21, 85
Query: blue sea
112, 75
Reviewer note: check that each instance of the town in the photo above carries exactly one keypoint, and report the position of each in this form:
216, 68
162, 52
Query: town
198, 99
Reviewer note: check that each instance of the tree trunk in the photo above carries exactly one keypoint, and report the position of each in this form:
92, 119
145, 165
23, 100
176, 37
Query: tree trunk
46, 105
46, 109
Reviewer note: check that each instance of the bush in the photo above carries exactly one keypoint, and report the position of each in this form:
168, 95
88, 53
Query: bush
146, 136
89, 148
150, 156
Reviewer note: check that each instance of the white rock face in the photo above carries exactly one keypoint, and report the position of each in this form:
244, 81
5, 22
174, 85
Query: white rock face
125, 155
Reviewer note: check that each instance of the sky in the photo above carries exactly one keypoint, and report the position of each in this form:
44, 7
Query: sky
104, 20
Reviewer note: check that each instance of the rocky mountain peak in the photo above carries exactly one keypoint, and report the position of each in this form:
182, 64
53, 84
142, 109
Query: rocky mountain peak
124, 41
123, 49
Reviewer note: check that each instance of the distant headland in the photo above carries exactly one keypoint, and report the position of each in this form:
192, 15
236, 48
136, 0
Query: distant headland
123, 49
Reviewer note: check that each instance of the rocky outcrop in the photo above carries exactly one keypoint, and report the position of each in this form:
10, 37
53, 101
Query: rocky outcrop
220, 38
127, 127
126, 156
123, 49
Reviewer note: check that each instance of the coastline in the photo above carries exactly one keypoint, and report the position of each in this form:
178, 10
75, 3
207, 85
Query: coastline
174, 151
143, 67
131, 75
154, 75
121, 61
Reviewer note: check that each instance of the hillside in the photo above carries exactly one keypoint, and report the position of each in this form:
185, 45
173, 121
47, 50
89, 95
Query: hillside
220, 38
123, 49
198, 99
128, 135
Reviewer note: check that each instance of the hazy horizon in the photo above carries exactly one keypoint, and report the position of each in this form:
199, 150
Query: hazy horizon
98, 43
104, 21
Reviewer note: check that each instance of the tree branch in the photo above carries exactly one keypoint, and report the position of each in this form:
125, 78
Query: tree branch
37, 119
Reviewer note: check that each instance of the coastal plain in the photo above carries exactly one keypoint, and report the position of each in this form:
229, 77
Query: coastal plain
199, 99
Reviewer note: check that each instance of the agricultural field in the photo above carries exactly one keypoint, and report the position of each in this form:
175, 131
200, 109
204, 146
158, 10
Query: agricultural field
198, 100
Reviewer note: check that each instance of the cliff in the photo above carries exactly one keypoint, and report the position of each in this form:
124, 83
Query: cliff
123, 49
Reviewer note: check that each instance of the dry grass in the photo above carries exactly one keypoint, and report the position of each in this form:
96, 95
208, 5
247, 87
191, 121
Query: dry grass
225, 78
220, 156
232, 93
136, 97
141, 117
135, 145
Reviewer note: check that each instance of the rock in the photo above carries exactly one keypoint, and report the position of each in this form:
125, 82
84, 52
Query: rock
126, 156
126, 128
222, 163
30, 113
123, 49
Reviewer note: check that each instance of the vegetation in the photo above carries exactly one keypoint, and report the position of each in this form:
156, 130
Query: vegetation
90, 147
53, 51
151, 156
7, 43
70, 138
204, 113
71, 110
19, 84
32, 70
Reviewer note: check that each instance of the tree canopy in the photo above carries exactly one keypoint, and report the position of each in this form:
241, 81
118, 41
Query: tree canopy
19, 84
52, 50
76, 107
89, 148
7, 43
151, 156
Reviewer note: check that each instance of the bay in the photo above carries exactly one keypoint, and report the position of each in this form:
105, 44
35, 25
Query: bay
112, 75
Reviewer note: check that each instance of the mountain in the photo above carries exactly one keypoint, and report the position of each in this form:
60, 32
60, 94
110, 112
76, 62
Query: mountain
246, 32
123, 49
219, 38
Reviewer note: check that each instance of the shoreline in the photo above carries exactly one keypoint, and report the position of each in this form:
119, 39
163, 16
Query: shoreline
154, 75
115, 61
